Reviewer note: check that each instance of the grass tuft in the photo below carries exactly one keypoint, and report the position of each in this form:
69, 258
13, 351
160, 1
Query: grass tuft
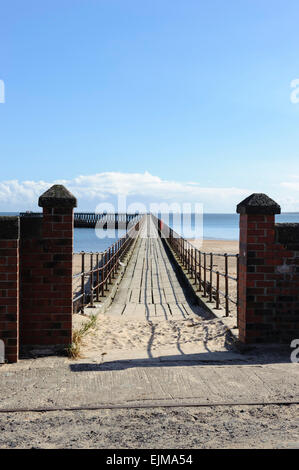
74, 349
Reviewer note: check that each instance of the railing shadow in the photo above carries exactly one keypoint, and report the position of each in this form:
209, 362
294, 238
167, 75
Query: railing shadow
261, 357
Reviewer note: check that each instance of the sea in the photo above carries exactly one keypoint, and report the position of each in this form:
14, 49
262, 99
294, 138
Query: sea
208, 226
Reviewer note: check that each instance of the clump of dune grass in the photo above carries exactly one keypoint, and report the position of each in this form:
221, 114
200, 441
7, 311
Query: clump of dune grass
74, 349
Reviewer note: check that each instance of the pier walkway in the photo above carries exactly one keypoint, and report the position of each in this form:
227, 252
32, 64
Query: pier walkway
150, 289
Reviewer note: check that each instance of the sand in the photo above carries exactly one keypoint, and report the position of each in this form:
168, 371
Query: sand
268, 426
217, 246
120, 335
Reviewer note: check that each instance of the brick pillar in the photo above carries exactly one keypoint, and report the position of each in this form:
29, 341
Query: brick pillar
9, 286
257, 268
46, 277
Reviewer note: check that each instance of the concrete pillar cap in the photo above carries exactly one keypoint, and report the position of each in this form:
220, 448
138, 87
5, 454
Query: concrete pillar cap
57, 196
258, 203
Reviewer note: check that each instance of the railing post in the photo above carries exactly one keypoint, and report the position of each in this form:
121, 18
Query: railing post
117, 256
91, 280
113, 261
109, 265
192, 263
106, 270
98, 277
211, 276
83, 281
102, 276
195, 265
226, 286
199, 271
204, 274
217, 292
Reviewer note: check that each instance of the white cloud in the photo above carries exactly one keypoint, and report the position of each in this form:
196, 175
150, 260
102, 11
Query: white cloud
287, 194
138, 187
292, 185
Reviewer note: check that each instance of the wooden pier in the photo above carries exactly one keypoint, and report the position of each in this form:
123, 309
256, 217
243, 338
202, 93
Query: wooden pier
150, 288
151, 280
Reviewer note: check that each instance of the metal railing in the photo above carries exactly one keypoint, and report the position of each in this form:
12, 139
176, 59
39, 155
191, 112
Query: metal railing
92, 281
219, 286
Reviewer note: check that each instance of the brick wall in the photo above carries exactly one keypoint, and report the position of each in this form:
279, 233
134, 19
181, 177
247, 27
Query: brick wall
36, 298
268, 310
9, 286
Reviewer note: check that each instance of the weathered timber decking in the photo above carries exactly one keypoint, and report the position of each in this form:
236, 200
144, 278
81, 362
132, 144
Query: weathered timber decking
150, 288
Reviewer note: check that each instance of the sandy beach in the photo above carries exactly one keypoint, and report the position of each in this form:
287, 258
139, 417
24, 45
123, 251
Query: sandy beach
216, 246
121, 335
268, 426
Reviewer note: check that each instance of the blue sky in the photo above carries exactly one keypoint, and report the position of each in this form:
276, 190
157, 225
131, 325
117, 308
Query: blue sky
166, 99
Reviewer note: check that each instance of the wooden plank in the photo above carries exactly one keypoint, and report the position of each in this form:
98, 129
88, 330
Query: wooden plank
162, 311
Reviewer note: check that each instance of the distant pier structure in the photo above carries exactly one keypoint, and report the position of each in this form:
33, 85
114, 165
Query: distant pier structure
116, 220
99, 220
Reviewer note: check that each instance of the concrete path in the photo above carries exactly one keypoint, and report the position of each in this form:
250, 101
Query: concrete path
53, 383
